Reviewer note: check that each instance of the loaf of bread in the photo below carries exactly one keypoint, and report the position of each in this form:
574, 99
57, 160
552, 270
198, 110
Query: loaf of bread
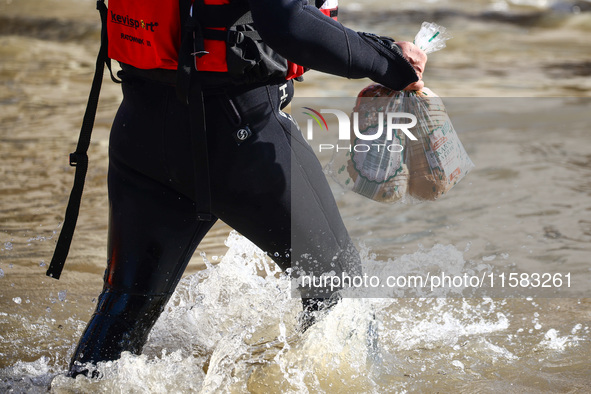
437, 160
377, 172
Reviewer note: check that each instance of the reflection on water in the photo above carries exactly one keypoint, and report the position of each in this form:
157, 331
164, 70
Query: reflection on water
525, 206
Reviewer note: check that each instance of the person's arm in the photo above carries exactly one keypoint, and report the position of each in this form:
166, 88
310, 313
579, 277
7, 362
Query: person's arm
302, 34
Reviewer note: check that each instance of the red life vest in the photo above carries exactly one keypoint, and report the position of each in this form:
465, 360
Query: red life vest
146, 34
329, 8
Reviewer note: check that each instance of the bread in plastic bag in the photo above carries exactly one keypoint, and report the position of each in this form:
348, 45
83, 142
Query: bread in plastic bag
401, 169
370, 175
437, 160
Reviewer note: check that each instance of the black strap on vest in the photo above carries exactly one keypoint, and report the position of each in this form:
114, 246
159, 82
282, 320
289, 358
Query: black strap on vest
231, 37
225, 15
79, 158
190, 92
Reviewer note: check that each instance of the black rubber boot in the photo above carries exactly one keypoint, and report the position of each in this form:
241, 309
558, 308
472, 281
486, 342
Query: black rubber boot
120, 323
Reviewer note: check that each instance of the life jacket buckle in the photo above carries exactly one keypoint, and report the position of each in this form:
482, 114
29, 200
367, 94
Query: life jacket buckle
199, 54
73, 159
235, 37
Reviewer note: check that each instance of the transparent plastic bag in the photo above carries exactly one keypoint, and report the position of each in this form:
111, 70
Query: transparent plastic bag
404, 164
431, 37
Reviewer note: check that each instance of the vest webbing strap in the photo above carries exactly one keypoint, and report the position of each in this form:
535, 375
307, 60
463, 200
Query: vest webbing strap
225, 15
79, 158
231, 37
190, 92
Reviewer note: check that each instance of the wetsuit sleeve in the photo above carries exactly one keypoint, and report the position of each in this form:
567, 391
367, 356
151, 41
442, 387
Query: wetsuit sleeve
302, 34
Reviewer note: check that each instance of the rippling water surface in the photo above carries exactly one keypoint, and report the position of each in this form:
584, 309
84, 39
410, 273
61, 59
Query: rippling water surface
515, 79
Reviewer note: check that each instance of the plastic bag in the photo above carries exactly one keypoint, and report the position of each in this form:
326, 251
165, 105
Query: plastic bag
431, 37
418, 162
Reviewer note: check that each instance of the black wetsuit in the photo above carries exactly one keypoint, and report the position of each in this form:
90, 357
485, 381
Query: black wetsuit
269, 187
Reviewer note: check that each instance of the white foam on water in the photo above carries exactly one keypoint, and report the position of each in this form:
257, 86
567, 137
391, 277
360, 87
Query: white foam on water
27, 377
553, 341
167, 373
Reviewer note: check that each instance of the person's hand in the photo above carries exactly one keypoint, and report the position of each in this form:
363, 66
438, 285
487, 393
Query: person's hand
417, 58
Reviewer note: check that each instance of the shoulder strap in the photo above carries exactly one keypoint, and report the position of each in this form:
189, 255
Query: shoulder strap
79, 158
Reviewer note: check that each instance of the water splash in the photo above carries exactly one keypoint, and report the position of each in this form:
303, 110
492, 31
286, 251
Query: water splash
233, 328
553, 341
